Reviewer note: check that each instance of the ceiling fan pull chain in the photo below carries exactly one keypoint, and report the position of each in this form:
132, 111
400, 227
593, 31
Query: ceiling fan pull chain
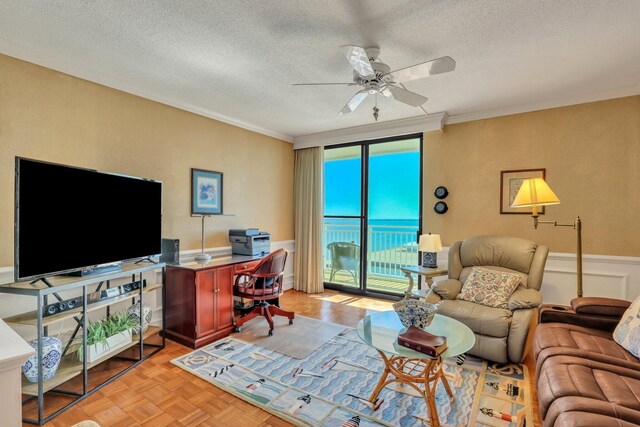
375, 109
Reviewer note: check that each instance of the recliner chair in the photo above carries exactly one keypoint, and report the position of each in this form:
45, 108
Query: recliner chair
501, 334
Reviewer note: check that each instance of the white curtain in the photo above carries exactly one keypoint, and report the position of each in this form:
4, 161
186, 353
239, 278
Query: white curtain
308, 217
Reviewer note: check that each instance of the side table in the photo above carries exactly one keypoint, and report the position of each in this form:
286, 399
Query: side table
427, 272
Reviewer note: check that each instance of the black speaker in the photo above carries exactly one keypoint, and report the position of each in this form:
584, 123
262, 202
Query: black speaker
170, 251
61, 306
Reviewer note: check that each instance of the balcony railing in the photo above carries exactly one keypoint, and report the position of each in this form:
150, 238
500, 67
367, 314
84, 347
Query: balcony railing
390, 247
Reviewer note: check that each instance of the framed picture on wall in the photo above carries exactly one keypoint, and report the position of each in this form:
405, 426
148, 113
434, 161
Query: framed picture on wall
206, 192
510, 182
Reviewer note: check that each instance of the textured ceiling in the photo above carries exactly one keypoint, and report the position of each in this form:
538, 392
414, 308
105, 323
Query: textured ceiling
237, 59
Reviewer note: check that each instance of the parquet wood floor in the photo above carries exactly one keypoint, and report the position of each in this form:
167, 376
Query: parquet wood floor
157, 393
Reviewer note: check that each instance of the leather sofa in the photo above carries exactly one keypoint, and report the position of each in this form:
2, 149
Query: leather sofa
583, 377
501, 333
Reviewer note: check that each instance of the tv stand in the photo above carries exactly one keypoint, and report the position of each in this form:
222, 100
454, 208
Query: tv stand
72, 378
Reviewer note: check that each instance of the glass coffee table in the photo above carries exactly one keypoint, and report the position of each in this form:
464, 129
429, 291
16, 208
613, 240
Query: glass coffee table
409, 367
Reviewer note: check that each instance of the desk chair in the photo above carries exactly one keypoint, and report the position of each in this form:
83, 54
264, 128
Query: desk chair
263, 283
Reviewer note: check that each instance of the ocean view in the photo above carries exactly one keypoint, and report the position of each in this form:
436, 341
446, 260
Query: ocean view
393, 214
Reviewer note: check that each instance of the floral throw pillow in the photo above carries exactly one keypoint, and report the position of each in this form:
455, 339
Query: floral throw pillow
489, 287
627, 333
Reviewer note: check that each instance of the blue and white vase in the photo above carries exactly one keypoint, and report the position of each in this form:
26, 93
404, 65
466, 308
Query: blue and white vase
134, 311
51, 355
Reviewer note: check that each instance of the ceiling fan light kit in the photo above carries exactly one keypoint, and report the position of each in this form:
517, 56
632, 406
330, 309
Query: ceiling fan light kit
375, 77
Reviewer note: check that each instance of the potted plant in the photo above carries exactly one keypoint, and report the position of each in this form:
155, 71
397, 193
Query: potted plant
108, 335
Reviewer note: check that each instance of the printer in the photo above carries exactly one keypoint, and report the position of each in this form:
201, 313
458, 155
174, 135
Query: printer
250, 241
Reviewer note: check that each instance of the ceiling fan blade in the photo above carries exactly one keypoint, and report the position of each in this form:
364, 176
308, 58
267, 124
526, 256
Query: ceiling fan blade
426, 69
354, 102
323, 84
359, 60
406, 96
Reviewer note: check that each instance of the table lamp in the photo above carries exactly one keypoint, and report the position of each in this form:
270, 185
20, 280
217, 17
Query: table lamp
429, 245
536, 192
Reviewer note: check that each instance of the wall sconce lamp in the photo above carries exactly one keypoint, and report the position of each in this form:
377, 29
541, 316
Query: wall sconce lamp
535, 192
430, 245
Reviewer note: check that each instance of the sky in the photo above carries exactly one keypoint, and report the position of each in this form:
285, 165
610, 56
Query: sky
394, 185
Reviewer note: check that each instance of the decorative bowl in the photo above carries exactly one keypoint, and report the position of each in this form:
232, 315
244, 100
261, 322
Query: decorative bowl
413, 312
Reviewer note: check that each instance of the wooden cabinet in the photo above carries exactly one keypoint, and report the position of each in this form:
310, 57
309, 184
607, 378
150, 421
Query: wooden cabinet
224, 298
205, 289
200, 300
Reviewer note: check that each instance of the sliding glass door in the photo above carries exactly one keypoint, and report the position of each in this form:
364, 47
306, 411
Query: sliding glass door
343, 216
372, 214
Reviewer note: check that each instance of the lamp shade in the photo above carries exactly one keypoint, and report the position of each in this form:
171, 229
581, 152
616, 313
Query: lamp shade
430, 243
534, 192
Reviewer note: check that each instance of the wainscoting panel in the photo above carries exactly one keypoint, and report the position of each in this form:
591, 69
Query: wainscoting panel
602, 275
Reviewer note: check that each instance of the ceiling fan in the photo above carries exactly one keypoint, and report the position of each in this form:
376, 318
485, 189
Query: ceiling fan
376, 77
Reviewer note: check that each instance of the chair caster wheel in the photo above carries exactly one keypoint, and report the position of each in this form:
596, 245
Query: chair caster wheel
270, 332
237, 329
291, 321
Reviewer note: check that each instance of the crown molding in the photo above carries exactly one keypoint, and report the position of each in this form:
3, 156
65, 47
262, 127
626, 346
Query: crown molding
398, 127
416, 124
426, 124
87, 73
620, 92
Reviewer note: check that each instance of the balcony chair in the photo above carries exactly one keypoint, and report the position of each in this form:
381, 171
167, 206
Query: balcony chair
501, 333
344, 256
263, 283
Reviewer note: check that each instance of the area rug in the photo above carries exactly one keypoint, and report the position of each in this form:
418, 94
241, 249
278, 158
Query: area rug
299, 340
330, 387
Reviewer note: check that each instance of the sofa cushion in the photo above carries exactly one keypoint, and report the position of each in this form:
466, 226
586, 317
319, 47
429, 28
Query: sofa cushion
562, 335
567, 376
627, 333
489, 287
480, 319
585, 419
582, 412
556, 339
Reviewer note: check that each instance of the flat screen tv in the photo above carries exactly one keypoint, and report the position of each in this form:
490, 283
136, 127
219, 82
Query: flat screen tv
68, 218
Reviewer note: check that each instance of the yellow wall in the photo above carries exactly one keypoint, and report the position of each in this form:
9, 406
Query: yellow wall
591, 153
52, 116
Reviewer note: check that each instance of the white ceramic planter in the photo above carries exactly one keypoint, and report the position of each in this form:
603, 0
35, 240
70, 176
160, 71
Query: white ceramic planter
118, 341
